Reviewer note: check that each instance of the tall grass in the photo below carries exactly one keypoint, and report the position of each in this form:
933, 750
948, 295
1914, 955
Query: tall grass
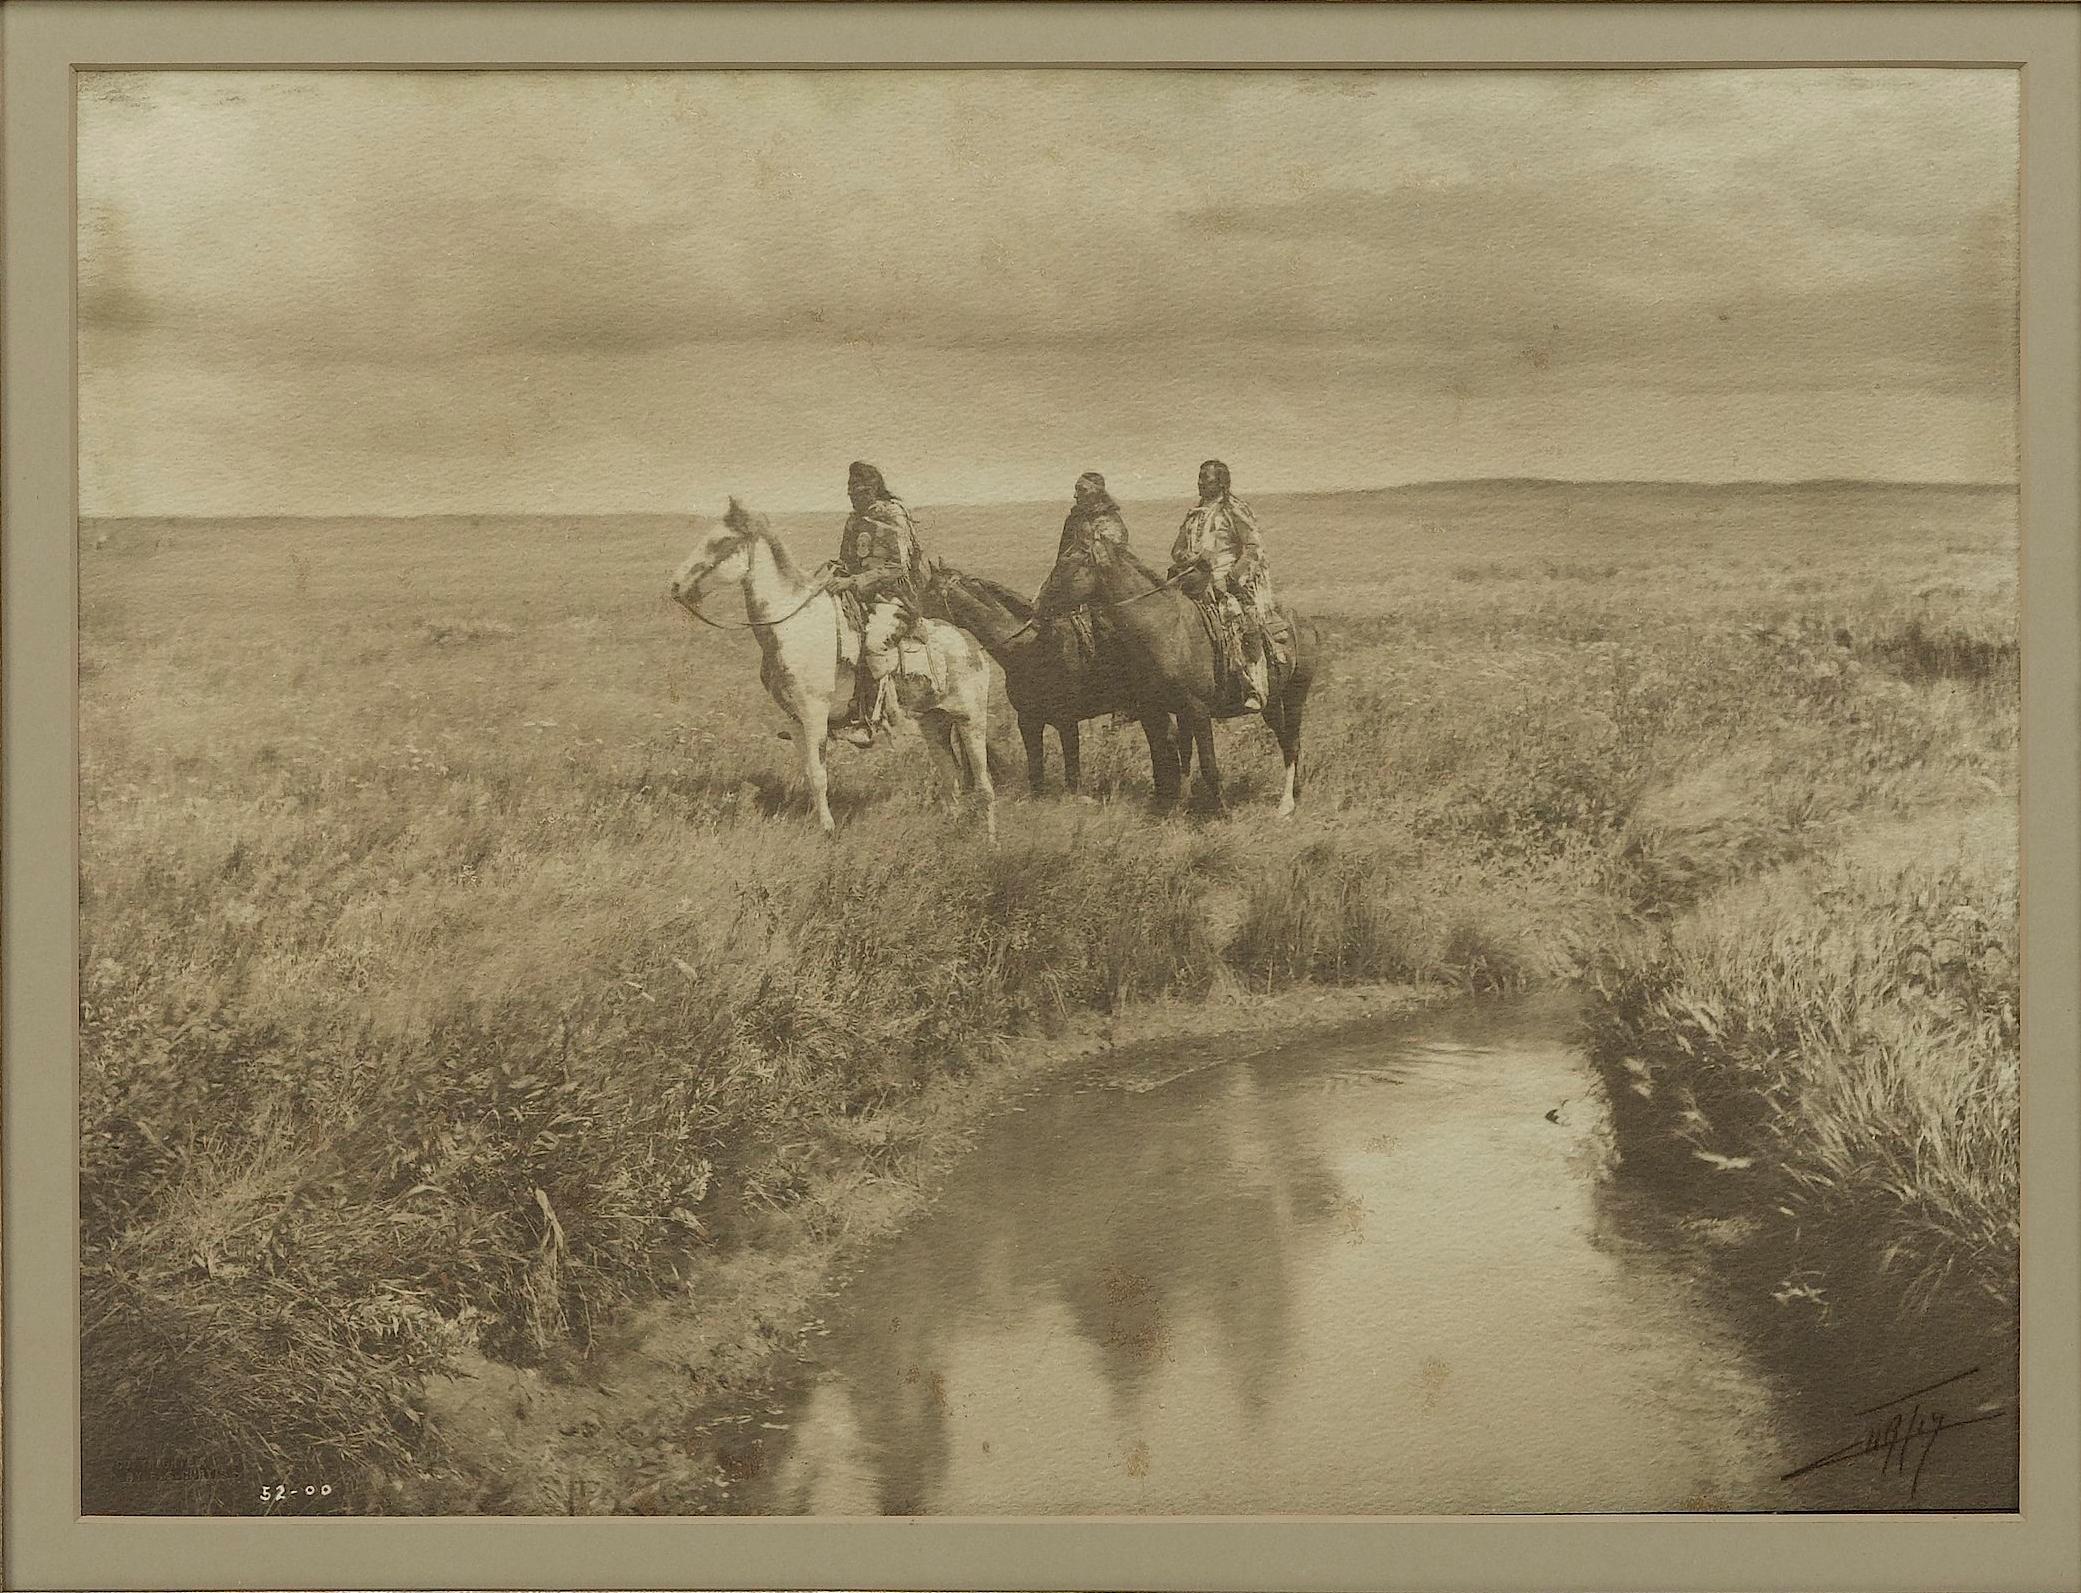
1816, 1031
1831, 1051
457, 965
299, 1201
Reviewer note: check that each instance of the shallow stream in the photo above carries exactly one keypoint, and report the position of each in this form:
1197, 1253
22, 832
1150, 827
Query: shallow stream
1384, 1272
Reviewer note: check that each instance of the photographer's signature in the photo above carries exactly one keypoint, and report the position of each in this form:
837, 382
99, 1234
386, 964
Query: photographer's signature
1905, 1429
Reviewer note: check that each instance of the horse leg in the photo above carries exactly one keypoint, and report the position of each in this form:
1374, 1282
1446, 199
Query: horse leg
812, 729
939, 741
1284, 716
975, 746
1209, 768
1164, 771
1072, 741
1033, 730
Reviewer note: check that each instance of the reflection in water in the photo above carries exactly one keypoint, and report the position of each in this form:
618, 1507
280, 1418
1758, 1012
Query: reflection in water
1073, 1252
1366, 1276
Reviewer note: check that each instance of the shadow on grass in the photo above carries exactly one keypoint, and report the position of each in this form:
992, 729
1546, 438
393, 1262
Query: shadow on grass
777, 794
1918, 654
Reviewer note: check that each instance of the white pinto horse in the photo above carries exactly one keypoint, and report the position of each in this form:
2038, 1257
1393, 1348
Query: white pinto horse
809, 650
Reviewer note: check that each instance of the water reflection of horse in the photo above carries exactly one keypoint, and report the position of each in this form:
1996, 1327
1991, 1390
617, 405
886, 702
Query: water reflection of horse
1171, 665
1199, 1272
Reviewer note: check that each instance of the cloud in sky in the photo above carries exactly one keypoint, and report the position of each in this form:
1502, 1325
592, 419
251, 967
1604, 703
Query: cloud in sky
390, 292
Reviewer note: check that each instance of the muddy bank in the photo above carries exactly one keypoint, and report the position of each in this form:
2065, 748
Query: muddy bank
664, 1414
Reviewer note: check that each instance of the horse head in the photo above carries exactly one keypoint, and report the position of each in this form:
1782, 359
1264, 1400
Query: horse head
722, 556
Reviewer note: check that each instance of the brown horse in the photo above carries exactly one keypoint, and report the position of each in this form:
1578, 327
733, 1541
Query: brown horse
1171, 663
1053, 679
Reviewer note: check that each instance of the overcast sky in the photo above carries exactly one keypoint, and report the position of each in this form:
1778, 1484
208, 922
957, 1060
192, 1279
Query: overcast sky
361, 292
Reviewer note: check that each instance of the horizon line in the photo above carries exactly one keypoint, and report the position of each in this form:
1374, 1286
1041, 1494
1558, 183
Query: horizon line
1425, 484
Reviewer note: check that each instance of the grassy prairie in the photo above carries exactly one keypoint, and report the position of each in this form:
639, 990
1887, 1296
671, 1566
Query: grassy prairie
457, 964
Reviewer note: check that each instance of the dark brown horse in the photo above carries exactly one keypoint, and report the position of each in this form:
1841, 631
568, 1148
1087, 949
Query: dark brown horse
1053, 678
1171, 660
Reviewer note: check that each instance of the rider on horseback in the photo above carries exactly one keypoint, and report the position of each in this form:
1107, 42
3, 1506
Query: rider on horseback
1093, 519
1220, 537
881, 564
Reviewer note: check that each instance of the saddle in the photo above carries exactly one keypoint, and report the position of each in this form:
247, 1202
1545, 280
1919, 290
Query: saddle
1072, 630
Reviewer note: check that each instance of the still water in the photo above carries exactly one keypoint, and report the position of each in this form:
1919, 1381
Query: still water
1382, 1273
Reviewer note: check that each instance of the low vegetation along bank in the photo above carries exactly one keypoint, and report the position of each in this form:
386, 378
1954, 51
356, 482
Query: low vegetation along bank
456, 969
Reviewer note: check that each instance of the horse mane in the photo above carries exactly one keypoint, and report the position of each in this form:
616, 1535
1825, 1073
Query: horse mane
1003, 596
750, 523
1105, 553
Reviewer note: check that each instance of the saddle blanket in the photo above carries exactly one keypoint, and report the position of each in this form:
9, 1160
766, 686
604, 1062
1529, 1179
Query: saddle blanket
914, 657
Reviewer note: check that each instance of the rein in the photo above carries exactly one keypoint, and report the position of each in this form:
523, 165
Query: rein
1161, 586
1034, 619
816, 590
1119, 602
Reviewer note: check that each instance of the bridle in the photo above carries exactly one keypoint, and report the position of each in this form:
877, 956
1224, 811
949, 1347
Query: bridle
817, 588
1090, 557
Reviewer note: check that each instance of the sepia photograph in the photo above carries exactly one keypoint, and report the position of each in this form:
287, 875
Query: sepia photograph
1042, 792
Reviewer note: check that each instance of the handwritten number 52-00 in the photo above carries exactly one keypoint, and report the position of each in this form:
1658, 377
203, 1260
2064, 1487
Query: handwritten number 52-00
277, 1494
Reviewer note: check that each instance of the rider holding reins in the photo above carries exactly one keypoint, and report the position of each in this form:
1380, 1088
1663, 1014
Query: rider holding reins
1220, 536
880, 562
1094, 519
